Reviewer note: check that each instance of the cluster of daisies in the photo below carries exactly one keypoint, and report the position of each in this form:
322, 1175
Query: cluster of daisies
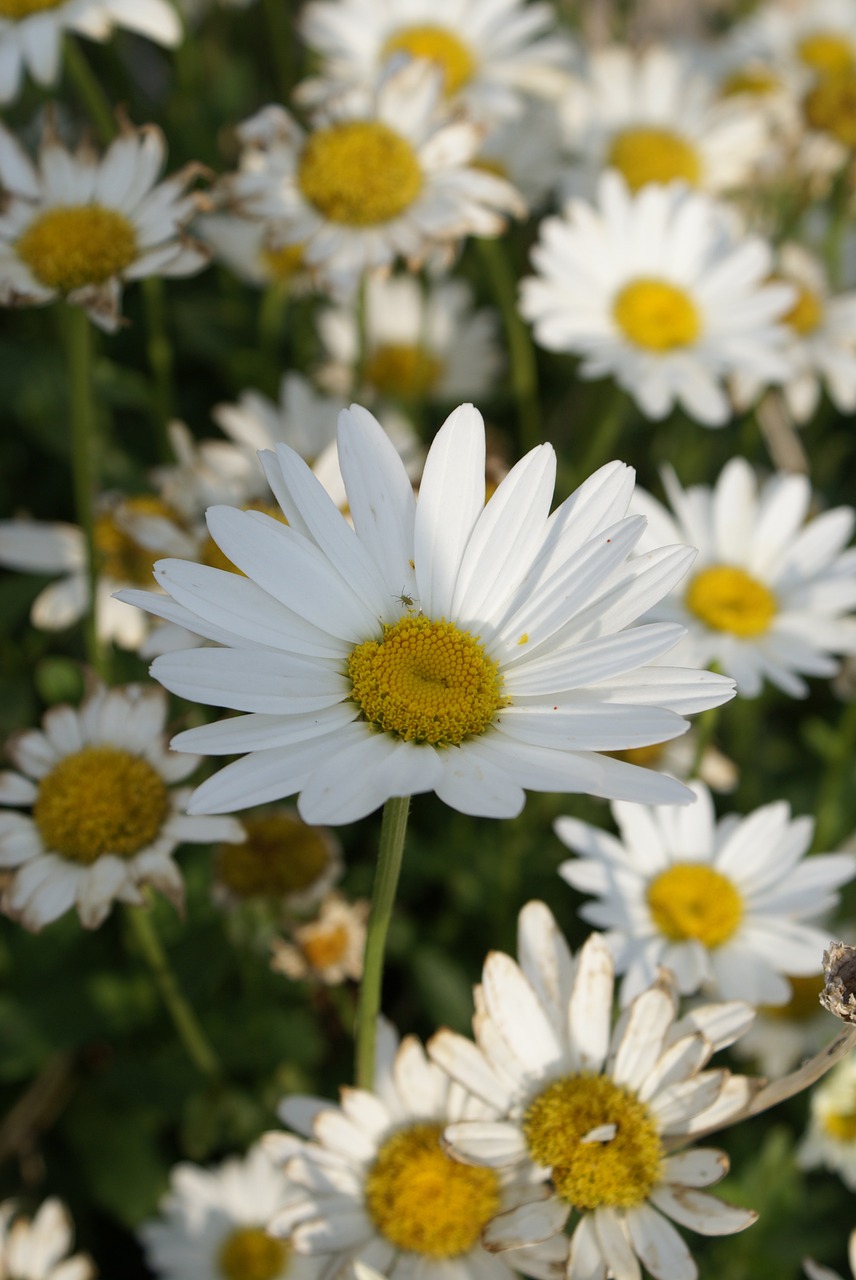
382, 609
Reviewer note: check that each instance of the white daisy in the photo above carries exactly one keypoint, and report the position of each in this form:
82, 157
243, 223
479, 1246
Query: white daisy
821, 348
527, 150
658, 291
280, 857
593, 1112
212, 1224
492, 53
815, 1272
721, 904
783, 1036
830, 1141
816, 38
656, 116
252, 251
771, 593
678, 758
103, 818
441, 645
375, 1164
329, 949
36, 1250
78, 226
31, 32
371, 182
420, 343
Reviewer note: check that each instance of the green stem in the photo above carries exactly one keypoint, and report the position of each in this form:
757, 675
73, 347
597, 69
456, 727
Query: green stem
280, 28
272, 310
184, 1019
704, 726
89, 90
160, 361
605, 432
392, 833
77, 338
524, 370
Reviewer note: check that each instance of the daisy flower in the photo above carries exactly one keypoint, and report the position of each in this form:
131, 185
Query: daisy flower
103, 818
253, 252
721, 904
329, 949
657, 291
817, 38
491, 54
419, 343
36, 1249
815, 1272
771, 592
371, 1166
280, 857
821, 347
372, 181
656, 116
527, 150
783, 1036
830, 1141
31, 32
437, 645
78, 227
593, 1113
678, 758
212, 1224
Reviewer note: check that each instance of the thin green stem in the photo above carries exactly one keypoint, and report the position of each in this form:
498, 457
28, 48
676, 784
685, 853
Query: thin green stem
77, 340
524, 369
392, 833
272, 311
161, 361
280, 31
604, 433
187, 1025
89, 90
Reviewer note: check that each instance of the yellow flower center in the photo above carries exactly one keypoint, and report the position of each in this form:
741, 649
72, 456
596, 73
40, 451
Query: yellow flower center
647, 757
656, 315
324, 945
281, 855
726, 598
807, 312
653, 155
100, 800
690, 900
591, 1170
425, 1202
69, 247
406, 372
249, 1253
440, 46
426, 682
831, 108
757, 80
17, 9
120, 556
360, 173
283, 263
826, 52
804, 1002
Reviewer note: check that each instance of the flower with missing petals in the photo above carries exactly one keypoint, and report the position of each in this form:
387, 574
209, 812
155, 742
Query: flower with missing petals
36, 1249
437, 644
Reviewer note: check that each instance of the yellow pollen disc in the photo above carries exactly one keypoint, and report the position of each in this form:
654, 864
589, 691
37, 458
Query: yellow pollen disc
804, 1002
807, 312
281, 855
827, 53
217, 559
839, 1124
440, 46
426, 682
406, 372
120, 556
653, 155
16, 9
619, 1172
726, 598
831, 107
284, 263
656, 315
647, 757
324, 945
757, 80
360, 173
249, 1253
691, 900
69, 247
100, 800
425, 1202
